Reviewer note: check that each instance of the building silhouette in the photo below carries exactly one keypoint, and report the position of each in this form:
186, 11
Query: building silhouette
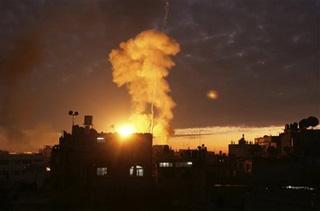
87, 158
301, 140
23, 170
244, 149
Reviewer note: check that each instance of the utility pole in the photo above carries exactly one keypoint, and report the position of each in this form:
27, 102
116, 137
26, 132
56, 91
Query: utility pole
73, 114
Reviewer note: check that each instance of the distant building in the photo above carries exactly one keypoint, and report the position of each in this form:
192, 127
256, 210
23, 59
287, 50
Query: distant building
169, 165
269, 144
22, 170
243, 155
162, 153
244, 149
267, 141
186, 168
46, 152
299, 141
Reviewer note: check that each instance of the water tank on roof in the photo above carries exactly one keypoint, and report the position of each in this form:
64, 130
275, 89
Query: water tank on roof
88, 120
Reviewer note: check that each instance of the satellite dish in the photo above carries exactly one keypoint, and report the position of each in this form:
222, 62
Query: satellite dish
313, 121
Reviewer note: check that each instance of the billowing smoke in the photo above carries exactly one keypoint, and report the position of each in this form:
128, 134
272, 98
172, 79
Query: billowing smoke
142, 65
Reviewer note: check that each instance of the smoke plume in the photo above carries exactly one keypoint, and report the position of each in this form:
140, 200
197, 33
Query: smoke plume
142, 65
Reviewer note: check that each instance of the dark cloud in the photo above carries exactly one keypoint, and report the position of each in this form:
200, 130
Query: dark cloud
261, 55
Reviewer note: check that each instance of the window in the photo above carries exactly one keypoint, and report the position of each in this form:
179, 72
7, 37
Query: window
100, 140
102, 171
131, 171
136, 171
165, 164
139, 171
184, 164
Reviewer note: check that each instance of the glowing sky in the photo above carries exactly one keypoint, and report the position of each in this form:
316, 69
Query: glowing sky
218, 138
261, 57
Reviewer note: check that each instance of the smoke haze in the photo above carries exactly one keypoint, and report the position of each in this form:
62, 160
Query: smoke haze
17, 101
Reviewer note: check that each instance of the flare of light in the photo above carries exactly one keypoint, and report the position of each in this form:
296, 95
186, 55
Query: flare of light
212, 95
126, 130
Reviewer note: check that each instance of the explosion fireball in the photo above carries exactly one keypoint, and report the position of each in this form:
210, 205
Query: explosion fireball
126, 130
142, 65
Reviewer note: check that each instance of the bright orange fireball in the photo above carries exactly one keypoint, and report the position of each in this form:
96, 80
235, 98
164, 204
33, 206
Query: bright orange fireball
126, 130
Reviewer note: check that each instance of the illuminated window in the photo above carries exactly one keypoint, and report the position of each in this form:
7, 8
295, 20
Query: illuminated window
102, 171
136, 171
139, 171
131, 171
165, 164
100, 140
183, 164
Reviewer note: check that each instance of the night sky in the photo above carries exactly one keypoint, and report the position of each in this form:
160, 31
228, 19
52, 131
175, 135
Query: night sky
261, 57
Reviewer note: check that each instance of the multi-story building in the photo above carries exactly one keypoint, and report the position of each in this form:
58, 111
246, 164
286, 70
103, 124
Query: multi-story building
244, 149
22, 170
299, 141
88, 158
243, 155
270, 145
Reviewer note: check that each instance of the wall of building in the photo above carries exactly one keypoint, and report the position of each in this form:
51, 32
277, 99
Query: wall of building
89, 158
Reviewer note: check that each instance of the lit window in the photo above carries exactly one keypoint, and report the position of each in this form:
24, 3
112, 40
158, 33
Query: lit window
183, 164
139, 171
165, 164
131, 170
102, 171
100, 140
136, 171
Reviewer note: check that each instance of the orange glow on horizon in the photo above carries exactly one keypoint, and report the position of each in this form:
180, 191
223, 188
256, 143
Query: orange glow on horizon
217, 138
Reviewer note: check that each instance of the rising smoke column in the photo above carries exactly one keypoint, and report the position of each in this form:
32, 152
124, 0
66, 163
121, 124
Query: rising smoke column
142, 65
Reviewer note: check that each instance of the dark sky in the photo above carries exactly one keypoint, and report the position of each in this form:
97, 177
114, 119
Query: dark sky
262, 57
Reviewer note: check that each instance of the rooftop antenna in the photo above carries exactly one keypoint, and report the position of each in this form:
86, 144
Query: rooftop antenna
73, 114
